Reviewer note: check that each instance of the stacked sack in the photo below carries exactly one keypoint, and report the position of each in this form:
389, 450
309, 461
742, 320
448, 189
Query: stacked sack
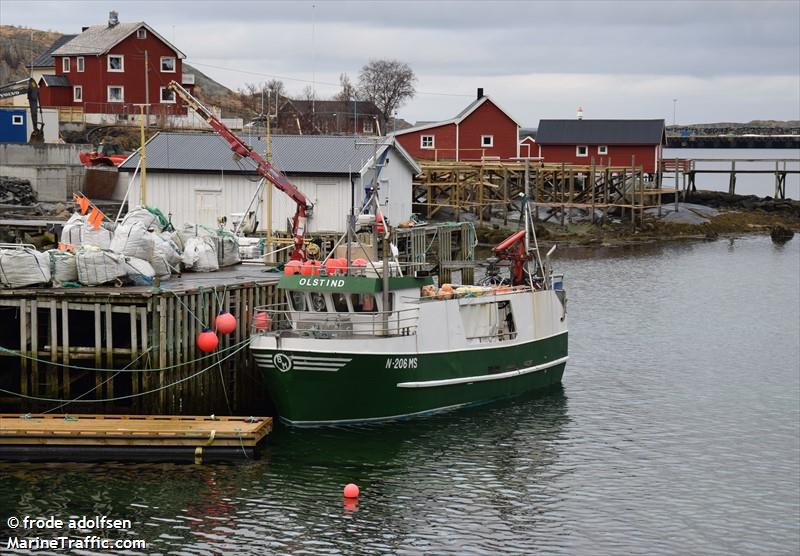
148, 251
78, 232
199, 248
99, 266
63, 267
166, 256
24, 267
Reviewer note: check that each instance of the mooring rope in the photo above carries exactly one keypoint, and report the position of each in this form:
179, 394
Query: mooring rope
101, 384
127, 397
123, 370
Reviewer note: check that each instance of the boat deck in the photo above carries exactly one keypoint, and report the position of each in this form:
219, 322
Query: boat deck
124, 437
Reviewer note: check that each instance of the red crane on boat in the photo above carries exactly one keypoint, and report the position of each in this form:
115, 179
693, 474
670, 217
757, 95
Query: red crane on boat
265, 169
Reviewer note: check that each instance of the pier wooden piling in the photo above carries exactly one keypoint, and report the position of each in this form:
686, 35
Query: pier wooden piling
96, 337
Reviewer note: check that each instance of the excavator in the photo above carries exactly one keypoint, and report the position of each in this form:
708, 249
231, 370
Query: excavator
28, 87
263, 168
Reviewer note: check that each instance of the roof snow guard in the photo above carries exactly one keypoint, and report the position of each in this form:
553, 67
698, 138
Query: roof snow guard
99, 39
601, 132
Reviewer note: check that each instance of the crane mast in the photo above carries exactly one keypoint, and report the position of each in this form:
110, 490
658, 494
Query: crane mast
265, 169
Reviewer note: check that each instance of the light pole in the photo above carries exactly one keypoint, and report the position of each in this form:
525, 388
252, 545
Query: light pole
674, 109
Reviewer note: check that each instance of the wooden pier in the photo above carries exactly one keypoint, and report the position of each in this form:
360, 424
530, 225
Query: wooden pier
491, 190
133, 349
126, 437
689, 170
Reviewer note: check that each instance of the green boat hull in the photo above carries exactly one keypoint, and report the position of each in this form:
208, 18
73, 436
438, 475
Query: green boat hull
317, 388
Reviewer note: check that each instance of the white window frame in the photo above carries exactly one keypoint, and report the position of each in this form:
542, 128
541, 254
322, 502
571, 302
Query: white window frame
367, 127
80, 64
174, 64
422, 142
121, 63
602, 149
578, 151
484, 144
122, 93
161, 95
17, 119
65, 64
77, 93
141, 33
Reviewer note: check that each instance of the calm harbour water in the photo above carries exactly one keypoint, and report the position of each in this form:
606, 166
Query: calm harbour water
677, 431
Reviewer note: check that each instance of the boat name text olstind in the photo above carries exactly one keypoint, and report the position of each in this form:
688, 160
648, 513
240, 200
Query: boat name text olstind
322, 282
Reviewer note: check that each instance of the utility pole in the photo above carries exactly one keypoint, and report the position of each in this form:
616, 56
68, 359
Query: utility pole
142, 156
268, 186
147, 89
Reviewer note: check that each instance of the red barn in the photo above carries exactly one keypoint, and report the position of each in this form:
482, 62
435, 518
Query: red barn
107, 69
607, 142
528, 147
481, 130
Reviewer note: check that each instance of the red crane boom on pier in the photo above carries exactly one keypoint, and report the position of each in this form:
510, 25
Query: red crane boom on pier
265, 169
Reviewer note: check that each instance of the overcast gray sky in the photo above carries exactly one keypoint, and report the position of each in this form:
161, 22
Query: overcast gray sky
722, 60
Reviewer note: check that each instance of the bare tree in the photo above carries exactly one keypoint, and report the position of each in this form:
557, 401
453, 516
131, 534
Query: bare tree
387, 83
349, 91
308, 93
276, 87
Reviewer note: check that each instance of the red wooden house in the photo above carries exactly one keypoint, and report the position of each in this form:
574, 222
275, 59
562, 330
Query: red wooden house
107, 69
482, 130
606, 142
528, 147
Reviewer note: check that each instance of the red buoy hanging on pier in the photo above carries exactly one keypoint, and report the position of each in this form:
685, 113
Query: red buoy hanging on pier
225, 323
207, 341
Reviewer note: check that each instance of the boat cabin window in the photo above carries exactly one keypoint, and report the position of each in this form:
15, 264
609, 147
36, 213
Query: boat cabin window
364, 303
340, 304
297, 300
317, 302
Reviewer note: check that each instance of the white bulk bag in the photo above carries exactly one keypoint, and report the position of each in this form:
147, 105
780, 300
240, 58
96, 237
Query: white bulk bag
63, 267
200, 254
100, 237
139, 271
144, 217
72, 230
166, 256
97, 266
24, 267
133, 240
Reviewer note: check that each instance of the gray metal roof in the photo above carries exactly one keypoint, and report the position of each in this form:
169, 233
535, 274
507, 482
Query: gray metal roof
99, 39
45, 59
601, 132
56, 80
292, 154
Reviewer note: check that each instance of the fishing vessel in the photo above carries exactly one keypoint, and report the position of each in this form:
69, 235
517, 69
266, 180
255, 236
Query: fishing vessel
364, 341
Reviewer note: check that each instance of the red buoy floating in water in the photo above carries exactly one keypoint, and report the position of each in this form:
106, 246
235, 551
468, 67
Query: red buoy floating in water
351, 490
225, 323
262, 321
207, 341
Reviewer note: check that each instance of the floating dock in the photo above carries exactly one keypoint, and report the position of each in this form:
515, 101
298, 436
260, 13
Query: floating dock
130, 437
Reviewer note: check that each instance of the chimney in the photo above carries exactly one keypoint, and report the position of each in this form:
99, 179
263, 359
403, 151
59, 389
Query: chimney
113, 19
84, 29
480, 93
580, 112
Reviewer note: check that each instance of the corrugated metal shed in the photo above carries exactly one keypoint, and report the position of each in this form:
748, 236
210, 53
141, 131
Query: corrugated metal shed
601, 132
292, 154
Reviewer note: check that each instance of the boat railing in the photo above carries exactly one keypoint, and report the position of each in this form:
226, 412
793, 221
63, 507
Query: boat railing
281, 320
471, 292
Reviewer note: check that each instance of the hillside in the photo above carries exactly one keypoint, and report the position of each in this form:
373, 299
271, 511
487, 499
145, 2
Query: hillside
17, 47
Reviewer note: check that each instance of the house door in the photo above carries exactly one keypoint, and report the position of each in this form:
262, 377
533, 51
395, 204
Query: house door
208, 205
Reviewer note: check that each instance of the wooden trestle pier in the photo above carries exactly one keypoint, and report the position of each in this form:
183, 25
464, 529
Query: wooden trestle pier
135, 347
492, 189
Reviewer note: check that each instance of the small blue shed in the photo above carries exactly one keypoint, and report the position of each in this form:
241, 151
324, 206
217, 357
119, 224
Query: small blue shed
13, 125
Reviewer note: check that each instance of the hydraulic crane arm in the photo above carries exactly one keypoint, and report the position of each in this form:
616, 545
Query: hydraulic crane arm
264, 168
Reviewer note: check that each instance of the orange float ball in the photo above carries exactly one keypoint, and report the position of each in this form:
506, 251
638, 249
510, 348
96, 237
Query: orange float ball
292, 267
351, 490
207, 341
310, 268
262, 321
226, 323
